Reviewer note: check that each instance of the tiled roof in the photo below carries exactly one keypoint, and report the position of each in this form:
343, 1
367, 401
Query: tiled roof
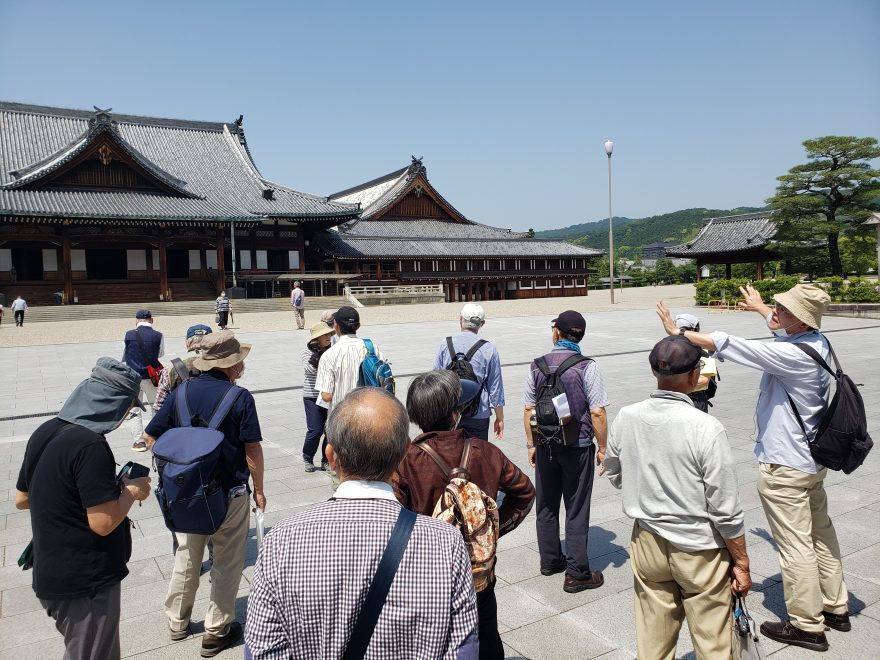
734, 233
347, 246
207, 163
426, 229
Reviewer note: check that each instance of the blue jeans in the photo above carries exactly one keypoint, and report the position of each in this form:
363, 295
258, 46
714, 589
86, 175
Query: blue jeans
316, 417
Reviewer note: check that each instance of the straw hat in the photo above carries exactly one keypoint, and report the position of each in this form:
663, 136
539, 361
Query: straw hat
319, 329
220, 349
806, 302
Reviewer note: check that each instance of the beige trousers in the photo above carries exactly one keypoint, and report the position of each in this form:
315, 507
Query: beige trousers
148, 398
796, 507
671, 584
300, 314
229, 550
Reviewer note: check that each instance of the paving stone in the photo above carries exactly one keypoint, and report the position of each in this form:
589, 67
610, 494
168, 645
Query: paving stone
516, 608
555, 638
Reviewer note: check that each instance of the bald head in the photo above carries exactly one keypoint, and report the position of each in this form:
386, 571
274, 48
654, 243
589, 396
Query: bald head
369, 434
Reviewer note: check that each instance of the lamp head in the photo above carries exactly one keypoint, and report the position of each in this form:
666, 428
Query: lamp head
609, 147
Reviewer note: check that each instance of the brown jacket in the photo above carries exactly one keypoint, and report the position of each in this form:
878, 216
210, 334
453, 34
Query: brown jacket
419, 482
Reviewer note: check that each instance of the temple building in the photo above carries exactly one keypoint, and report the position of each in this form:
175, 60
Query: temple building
103, 207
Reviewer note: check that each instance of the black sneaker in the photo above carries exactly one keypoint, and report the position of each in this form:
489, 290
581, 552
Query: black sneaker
838, 621
786, 633
325, 466
212, 645
309, 466
554, 568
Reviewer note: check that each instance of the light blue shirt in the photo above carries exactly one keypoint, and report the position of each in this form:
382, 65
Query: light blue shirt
787, 370
487, 369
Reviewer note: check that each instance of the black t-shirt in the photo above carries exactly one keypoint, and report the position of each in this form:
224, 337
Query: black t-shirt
241, 425
75, 471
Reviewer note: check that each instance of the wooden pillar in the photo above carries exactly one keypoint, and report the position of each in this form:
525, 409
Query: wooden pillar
221, 262
163, 267
302, 249
727, 271
66, 267
760, 270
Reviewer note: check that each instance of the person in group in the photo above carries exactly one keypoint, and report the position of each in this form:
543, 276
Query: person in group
487, 369
170, 377
221, 363
705, 388
1, 314
790, 483
81, 536
143, 347
221, 308
688, 548
566, 472
327, 317
316, 416
339, 368
19, 307
434, 401
300, 608
298, 302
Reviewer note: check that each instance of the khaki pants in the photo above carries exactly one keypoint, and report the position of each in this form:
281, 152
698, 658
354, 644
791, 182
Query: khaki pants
796, 507
672, 584
300, 314
229, 550
148, 398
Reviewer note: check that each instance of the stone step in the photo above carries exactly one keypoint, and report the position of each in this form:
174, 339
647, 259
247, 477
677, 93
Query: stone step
39, 314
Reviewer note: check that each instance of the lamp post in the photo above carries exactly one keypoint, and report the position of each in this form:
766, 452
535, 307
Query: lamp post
609, 147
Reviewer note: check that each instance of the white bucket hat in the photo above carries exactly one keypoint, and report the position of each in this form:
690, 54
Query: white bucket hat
806, 302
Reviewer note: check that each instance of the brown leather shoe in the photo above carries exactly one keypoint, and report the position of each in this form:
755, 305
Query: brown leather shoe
786, 633
573, 585
212, 645
838, 621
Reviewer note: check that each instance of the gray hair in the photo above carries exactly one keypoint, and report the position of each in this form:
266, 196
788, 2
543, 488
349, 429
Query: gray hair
471, 324
432, 398
369, 432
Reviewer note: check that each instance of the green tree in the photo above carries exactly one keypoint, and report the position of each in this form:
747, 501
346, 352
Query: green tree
828, 195
664, 271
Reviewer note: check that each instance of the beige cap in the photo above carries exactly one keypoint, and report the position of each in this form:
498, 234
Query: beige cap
806, 302
319, 329
220, 349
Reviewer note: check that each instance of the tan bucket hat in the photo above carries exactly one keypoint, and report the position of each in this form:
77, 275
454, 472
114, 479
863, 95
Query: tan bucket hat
220, 349
806, 302
320, 329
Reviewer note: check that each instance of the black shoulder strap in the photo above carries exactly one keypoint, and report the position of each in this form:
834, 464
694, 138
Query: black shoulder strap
572, 360
378, 592
474, 349
30, 473
813, 353
224, 406
541, 363
797, 414
183, 416
180, 368
451, 349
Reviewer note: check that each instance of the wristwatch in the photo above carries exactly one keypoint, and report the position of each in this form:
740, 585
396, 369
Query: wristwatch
681, 331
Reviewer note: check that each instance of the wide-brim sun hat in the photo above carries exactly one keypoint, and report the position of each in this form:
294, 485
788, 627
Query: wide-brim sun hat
806, 302
469, 389
220, 350
320, 329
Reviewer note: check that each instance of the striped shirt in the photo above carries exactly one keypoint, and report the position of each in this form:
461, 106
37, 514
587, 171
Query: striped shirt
221, 304
309, 391
339, 367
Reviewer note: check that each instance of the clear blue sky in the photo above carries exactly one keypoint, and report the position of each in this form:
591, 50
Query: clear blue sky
508, 102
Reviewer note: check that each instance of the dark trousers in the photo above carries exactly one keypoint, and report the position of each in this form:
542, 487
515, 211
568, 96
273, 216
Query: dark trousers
19, 317
564, 474
316, 417
90, 625
222, 318
491, 646
476, 428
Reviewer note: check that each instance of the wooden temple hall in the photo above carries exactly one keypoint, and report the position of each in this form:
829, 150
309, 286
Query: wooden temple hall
103, 207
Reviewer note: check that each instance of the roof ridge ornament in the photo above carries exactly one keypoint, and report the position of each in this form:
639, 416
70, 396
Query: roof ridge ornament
416, 167
102, 117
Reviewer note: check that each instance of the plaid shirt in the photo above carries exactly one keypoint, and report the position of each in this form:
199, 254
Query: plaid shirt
314, 570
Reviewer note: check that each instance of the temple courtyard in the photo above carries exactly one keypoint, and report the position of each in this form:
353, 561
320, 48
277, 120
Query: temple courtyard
41, 363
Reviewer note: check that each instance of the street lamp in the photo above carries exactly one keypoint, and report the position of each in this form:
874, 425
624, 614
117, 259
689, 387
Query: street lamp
609, 147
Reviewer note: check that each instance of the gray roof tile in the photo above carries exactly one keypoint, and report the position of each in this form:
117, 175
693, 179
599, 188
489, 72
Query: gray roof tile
734, 233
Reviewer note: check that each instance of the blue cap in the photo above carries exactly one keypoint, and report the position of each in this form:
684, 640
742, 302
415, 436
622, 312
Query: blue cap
469, 390
143, 314
197, 330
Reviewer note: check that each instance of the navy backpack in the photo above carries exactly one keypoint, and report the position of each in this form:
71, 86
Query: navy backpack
187, 458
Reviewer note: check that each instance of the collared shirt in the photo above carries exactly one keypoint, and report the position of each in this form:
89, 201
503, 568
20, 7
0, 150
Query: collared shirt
19, 305
674, 465
487, 369
300, 607
161, 336
339, 367
594, 387
310, 373
298, 293
787, 371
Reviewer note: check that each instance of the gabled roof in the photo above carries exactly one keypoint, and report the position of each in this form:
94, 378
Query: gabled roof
733, 233
378, 196
204, 169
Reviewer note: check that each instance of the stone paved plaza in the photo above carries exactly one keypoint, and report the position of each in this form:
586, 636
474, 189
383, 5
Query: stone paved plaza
537, 619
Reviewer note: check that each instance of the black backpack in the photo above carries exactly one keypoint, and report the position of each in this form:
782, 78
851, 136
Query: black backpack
549, 428
462, 367
841, 441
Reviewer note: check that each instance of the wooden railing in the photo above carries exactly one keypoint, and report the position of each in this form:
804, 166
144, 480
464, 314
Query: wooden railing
401, 289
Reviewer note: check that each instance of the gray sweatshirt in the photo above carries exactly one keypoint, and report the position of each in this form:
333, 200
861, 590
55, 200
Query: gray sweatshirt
674, 466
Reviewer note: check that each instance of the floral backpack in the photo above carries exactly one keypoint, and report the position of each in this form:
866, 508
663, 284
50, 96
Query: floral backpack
465, 506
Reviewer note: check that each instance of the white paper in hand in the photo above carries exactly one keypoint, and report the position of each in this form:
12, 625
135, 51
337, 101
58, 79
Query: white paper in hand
560, 402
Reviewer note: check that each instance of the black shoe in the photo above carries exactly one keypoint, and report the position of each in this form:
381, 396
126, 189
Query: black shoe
574, 585
325, 466
786, 633
310, 467
212, 645
837, 621
554, 568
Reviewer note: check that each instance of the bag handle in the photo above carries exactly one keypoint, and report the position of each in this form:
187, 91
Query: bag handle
378, 591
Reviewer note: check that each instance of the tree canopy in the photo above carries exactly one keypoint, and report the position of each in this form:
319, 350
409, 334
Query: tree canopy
833, 193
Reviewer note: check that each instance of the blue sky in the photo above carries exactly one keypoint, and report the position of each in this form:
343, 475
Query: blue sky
508, 102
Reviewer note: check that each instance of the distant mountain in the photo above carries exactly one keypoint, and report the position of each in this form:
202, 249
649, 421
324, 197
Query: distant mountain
678, 226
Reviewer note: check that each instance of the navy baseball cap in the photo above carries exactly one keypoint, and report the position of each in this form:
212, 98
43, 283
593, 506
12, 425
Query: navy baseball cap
197, 330
571, 323
675, 355
469, 389
143, 314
